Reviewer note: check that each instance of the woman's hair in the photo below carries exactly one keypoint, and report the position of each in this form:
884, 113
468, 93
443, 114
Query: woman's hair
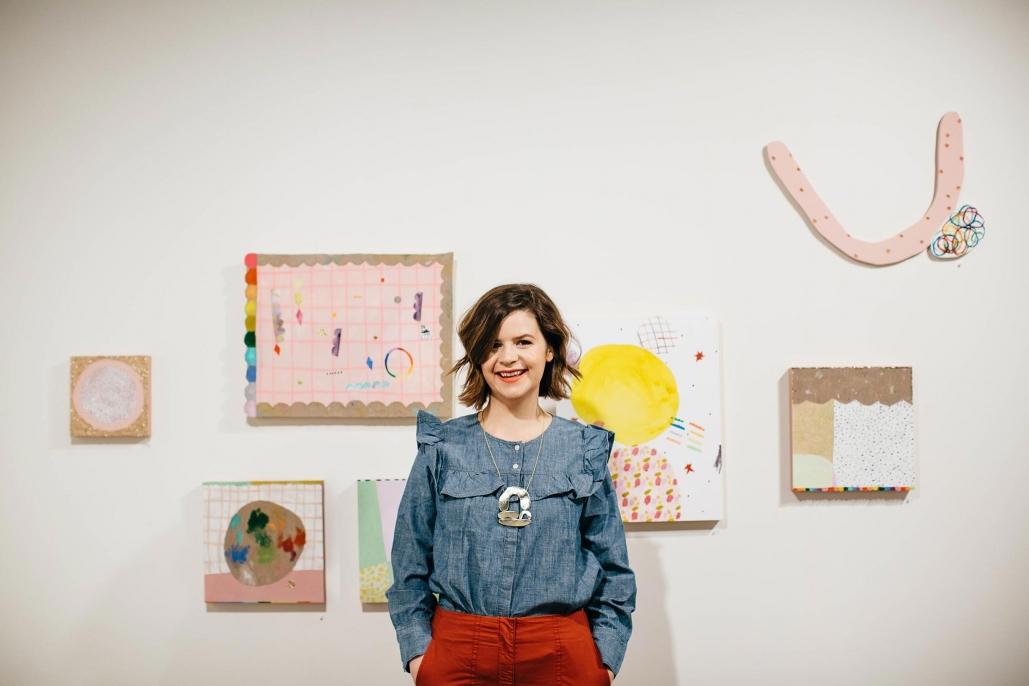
480, 325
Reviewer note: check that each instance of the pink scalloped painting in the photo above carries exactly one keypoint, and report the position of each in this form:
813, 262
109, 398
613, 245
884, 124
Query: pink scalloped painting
655, 381
348, 335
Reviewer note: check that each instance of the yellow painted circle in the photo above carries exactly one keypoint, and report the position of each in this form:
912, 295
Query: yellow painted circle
628, 390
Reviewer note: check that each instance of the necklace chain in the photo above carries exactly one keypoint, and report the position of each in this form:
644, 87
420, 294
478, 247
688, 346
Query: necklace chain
485, 438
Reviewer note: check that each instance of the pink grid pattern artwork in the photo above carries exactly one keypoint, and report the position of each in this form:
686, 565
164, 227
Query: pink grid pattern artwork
339, 336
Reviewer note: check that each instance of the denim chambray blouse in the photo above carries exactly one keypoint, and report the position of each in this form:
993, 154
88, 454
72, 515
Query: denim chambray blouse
448, 540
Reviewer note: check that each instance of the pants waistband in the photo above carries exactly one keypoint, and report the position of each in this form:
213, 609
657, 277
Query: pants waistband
447, 619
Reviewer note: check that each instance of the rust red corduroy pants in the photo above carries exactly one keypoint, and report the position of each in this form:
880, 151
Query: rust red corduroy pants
545, 650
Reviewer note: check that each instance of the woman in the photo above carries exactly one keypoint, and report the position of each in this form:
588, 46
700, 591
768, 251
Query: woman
533, 588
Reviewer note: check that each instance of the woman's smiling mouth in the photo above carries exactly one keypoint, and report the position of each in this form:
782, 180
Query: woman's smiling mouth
512, 375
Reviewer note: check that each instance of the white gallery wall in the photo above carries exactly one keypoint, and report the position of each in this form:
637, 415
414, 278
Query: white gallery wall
610, 152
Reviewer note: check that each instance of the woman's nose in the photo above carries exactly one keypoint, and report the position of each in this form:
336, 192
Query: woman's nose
508, 353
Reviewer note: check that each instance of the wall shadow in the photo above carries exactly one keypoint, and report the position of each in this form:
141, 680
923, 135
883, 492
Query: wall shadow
322, 421
650, 650
661, 527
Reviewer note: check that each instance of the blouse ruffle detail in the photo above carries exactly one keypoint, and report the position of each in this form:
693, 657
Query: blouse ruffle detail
597, 445
430, 428
430, 432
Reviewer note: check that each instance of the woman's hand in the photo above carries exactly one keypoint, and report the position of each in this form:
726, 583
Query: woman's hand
611, 676
414, 665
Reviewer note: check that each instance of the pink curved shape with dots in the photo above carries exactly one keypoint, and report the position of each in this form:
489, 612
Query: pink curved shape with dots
949, 174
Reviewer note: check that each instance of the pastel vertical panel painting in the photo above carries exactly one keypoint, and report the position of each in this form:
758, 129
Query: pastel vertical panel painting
264, 542
377, 503
348, 335
656, 383
110, 396
852, 429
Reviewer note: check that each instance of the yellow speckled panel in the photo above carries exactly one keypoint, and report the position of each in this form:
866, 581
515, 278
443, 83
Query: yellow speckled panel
812, 429
375, 581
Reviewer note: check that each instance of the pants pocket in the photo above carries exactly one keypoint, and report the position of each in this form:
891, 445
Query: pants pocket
423, 670
581, 662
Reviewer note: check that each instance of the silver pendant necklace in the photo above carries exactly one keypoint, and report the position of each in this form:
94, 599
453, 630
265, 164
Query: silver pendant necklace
508, 517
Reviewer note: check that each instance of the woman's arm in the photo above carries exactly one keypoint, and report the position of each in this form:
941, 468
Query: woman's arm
411, 602
610, 608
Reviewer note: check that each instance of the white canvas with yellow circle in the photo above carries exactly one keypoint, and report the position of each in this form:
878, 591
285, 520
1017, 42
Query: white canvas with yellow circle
655, 381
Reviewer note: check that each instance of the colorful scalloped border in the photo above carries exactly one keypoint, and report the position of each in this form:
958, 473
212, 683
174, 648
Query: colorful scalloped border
354, 408
250, 337
848, 489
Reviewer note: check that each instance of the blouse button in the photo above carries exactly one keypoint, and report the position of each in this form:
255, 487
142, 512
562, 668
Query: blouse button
517, 447
514, 466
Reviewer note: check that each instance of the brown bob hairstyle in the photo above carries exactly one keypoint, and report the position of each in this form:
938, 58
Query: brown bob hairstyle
480, 325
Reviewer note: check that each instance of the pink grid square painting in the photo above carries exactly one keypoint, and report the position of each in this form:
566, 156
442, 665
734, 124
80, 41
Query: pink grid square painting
348, 335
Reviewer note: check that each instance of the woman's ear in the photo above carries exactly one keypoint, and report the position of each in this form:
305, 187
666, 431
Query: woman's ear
550, 354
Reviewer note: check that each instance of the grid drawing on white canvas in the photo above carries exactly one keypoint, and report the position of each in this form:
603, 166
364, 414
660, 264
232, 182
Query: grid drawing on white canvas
224, 499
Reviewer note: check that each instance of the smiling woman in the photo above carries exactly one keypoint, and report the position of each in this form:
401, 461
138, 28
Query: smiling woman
509, 525
508, 318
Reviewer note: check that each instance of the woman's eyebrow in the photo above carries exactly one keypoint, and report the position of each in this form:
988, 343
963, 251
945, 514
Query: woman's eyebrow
519, 336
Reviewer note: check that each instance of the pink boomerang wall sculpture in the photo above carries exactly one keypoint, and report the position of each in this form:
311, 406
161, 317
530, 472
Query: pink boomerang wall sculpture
950, 169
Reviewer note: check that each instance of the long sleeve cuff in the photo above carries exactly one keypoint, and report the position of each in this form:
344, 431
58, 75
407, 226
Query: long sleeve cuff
611, 646
413, 639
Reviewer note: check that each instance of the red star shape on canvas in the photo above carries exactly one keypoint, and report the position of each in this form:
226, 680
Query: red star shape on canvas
699, 356
689, 467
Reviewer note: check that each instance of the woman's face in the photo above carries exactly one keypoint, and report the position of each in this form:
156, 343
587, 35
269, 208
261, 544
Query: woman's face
519, 355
